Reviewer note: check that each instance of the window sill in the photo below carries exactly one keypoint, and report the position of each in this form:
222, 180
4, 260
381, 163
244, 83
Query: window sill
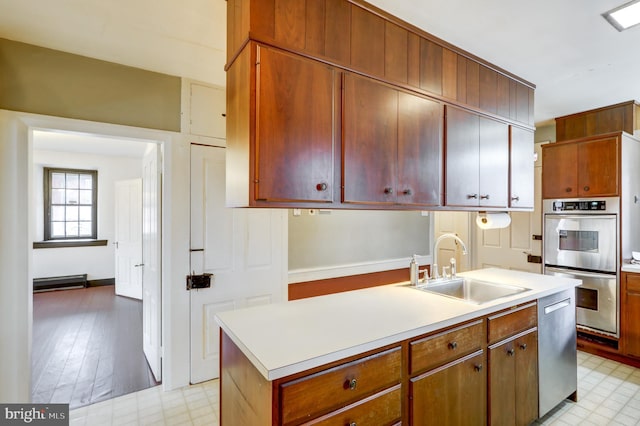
68, 243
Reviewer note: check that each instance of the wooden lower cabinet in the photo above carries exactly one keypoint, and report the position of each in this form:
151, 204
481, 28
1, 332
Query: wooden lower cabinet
513, 380
630, 314
454, 394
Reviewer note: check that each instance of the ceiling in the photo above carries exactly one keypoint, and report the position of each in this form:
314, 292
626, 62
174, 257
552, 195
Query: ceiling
60, 141
574, 57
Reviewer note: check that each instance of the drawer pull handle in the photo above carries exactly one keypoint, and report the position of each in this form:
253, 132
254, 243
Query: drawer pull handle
453, 345
477, 367
351, 384
472, 196
484, 197
322, 186
511, 352
568, 189
388, 191
523, 346
352, 424
407, 192
586, 188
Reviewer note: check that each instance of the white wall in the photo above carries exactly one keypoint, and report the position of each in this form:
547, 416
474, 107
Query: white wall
95, 261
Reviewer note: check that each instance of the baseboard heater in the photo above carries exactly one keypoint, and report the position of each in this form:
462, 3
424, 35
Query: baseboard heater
57, 283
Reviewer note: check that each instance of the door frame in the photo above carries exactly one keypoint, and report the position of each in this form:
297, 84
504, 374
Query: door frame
18, 128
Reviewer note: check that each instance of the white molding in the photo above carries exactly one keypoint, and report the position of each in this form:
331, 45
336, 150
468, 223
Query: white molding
313, 274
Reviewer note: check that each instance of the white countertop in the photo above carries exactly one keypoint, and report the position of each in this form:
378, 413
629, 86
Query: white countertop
289, 337
630, 267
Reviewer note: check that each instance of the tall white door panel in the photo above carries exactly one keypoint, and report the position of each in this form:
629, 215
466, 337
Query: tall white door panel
151, 249
128, 238
244, 249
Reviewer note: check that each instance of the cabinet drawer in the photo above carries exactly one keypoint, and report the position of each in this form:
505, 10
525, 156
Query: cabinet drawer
308, 397
513, 321
439, 349
383, 408
633, 283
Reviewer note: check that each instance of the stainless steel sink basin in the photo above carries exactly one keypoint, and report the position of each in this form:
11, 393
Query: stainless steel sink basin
470, 290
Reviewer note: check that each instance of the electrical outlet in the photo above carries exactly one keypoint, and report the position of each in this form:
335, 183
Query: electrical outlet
296, 212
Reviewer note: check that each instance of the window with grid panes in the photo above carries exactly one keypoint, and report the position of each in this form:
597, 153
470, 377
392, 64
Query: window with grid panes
70, 202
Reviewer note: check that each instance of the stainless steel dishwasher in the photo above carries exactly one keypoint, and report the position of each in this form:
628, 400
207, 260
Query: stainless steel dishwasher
557, 359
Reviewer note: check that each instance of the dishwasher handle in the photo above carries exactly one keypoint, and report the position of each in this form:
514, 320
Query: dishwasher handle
558, 305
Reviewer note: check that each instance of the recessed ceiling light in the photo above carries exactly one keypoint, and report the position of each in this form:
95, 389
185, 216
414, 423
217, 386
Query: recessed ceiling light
625, 16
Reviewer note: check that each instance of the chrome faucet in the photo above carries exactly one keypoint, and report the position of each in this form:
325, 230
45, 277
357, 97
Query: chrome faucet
434, 268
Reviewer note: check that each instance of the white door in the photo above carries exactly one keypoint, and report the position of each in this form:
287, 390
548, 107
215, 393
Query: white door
128, 238
244, 249
454, 223
510, 247
151, 244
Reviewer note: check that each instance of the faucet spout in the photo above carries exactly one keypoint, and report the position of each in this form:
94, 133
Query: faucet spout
434, 269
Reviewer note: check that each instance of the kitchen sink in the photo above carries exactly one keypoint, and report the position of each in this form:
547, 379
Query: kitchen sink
470, 290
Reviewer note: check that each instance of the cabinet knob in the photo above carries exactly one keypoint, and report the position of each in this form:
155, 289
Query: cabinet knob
352, 424
586, 188
477, 367
388, 190
351, 384
515, 198
523, 346
470, 196
453, 345
484, 197
511, 352
407, 192
568, 189
322, 186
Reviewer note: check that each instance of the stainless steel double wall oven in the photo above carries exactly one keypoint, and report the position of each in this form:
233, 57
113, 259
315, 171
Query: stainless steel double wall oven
582, 240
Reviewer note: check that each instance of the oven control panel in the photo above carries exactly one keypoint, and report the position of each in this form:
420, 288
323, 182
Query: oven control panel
591, 205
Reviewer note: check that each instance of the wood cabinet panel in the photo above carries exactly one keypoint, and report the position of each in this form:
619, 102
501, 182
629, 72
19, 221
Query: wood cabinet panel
367, 38
609, 119
493, 163
290, 23
559, 170
449, 74
513, 381
454, 394
502, 95
383, 408
420, 123
396, 48
370, 131
488, 89
462, 158
461, 81
441, 348
315, 30
511, 322
473, 83
329, 390
294, 143
430, 66
337, 27
630, 314
413, 58
598, 167
521, 176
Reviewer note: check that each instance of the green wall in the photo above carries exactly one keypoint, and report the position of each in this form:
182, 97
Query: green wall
44, 81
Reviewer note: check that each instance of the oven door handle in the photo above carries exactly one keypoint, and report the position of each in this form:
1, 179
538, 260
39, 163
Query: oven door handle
580, 273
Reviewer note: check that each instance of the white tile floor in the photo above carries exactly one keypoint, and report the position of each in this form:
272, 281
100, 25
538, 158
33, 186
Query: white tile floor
608, 394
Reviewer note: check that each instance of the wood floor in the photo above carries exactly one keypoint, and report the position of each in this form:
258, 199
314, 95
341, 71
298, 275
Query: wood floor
87, 346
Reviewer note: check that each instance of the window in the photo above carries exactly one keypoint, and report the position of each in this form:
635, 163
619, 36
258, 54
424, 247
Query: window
70, 204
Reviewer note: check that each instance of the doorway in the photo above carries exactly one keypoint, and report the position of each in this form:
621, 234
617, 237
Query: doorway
91, 344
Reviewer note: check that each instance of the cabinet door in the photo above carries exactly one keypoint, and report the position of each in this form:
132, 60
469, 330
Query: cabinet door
526, 348
598, 168
462, 185
420, 123
294, 128
513, 381
370, 139
494, 163
521, 194
630, 306
454, 394
559, 170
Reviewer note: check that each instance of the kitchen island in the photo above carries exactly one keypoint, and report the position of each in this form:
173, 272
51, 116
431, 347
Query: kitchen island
382, 346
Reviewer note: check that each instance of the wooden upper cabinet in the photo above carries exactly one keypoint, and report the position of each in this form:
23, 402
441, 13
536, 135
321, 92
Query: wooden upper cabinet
367, 42
521, 175
630, 314
420, 123
615, 118
430, 66
294, 128
477, 161
392, 145
370, 132
396, 51
585, 168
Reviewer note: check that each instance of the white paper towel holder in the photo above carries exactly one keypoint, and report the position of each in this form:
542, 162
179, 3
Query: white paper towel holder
493, 220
